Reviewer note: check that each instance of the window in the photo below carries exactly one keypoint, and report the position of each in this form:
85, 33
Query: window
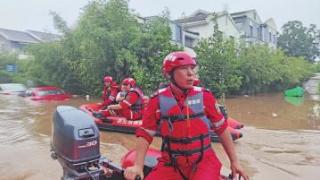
175, 32
50, 92
260, 34
188, 41
270, 37
178, 34
251, 31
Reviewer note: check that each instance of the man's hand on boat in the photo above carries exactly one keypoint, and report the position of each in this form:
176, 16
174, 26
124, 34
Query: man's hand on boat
238, 172
131, 173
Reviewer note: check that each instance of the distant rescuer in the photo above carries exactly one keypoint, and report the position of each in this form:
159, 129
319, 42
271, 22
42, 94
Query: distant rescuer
183, 114
131, 107
110, 91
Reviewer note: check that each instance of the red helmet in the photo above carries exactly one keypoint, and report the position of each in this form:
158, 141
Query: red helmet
130, 81
176, 59
107, 79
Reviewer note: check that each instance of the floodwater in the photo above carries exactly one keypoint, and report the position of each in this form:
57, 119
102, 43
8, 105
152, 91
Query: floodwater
281, 138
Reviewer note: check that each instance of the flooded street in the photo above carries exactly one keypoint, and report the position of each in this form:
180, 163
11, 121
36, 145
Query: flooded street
281, 138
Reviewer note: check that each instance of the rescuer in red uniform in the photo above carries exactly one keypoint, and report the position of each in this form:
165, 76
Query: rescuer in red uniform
183, 114
131, 106
110, 91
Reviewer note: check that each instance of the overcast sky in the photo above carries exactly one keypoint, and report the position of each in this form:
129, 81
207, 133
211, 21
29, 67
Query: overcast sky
34, 14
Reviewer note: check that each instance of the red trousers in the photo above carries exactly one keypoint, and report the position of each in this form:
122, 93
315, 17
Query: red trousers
207, 169
128, 114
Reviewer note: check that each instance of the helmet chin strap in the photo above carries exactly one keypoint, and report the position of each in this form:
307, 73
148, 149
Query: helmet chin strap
184, 90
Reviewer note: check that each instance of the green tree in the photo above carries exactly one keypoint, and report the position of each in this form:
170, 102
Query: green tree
108, 40
6, 58
257, 69
150, 49
218, 63
297, 40
48, 66
264, 69
59, 23
117, 45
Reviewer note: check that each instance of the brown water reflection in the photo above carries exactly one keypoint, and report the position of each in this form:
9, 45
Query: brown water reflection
281, 140
272, 111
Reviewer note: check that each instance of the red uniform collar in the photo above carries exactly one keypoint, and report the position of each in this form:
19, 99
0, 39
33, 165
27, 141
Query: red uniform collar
112, 85
177, 91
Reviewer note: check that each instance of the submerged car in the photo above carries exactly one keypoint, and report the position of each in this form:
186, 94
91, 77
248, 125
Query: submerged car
12, 89
47, 93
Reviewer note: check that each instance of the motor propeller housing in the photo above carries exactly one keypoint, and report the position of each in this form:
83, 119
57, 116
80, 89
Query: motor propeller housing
75, 143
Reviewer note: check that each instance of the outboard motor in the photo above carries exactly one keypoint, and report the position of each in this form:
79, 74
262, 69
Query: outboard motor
75, 143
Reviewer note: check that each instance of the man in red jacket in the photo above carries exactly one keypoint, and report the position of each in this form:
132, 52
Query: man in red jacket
110, 91
131, 107
183, 115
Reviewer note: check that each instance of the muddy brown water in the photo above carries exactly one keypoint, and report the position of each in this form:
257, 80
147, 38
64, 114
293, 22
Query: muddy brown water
281, 138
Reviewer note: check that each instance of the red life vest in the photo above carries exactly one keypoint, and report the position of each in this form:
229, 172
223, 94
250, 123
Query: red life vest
110, 92
184, 130
138, 105
106, 93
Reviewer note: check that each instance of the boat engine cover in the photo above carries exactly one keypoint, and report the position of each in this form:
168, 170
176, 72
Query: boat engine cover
75, 136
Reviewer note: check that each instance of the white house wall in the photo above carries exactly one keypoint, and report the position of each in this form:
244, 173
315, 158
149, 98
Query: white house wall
204, 30
254, 16
3, 44
227, 26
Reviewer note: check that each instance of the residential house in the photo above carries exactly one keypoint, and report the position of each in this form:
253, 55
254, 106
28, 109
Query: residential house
15, 41
43, 36
241, 26
184, 38
176, 30
253, 30
177, 33
271, 33
203, 22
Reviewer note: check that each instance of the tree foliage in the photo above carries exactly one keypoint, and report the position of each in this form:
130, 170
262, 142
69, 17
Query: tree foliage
264, 69
6, 58
108, 40
218, 63
297, 40
226, 67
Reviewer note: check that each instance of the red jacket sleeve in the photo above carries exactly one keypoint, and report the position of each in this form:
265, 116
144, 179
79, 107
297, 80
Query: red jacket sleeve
213, 113
112, 96
130, 99
149, 120
113, 93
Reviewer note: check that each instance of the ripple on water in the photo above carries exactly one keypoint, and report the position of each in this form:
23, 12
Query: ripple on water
13, 130
3, 111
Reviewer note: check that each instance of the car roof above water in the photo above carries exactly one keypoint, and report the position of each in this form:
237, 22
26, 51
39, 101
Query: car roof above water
14, 87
